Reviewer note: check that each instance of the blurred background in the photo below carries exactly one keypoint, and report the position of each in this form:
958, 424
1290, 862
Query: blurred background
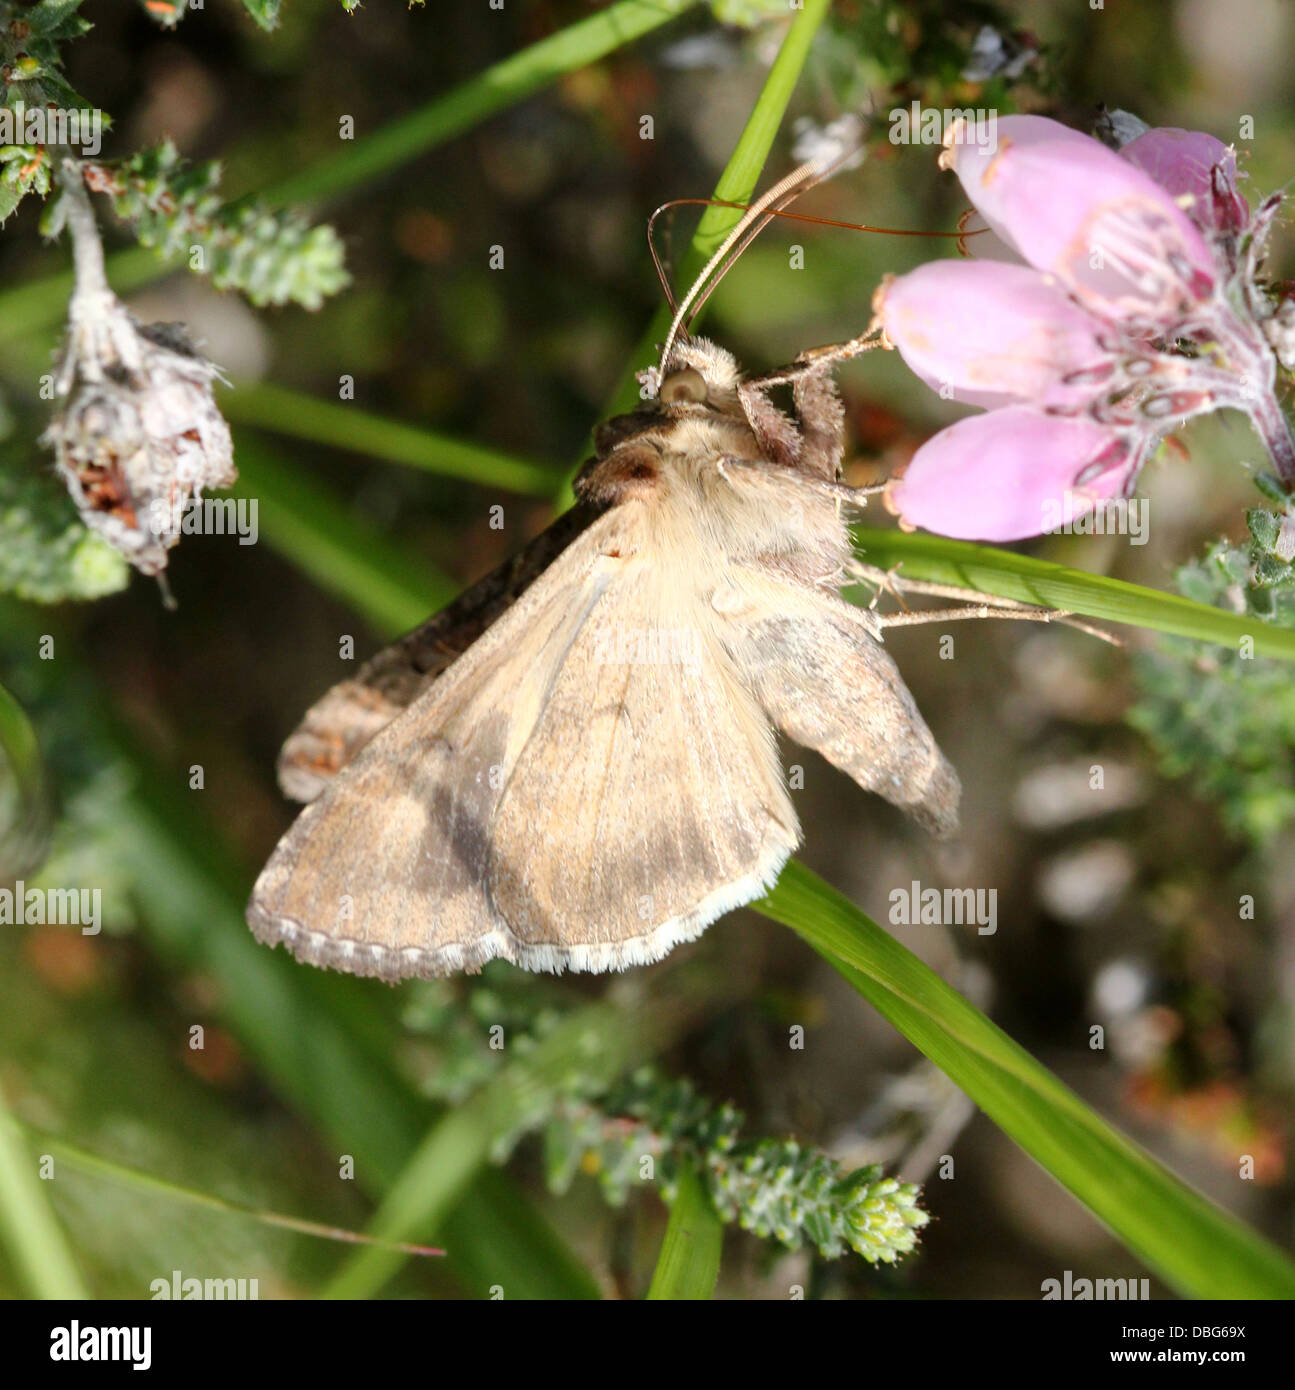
1121, 912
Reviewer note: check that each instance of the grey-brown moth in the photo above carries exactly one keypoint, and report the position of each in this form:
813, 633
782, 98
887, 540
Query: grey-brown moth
574, 766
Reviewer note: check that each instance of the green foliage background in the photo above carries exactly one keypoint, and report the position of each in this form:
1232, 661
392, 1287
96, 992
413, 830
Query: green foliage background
475, 388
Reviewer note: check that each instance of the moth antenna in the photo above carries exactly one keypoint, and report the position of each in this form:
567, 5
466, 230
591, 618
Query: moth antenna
806, 176
734, 255
661, 272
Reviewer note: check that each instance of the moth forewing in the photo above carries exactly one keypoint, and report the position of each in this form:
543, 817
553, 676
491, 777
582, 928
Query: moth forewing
551, 799
385, 872
343, 720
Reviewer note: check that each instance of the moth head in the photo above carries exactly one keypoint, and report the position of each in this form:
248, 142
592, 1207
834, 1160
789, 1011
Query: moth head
699, 373
700, 381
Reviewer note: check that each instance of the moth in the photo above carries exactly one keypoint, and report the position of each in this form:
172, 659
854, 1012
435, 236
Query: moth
575, 766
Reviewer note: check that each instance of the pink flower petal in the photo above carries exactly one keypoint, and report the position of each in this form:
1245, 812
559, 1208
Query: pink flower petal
1183, 163
1010, 473
1023, 131
992, 333
1109, 232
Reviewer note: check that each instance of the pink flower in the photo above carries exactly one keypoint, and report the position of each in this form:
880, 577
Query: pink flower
1137, 306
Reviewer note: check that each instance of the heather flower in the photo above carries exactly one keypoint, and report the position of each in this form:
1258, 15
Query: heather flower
1130, 302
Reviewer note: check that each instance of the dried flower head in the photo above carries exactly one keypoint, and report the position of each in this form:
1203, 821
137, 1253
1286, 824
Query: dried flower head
138, 435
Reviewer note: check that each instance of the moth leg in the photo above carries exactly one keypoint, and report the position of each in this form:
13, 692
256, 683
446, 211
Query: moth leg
896, 583
882, 582
979, 605
1019, 612
776, 434
818, 445
817, 401
822, 420
916, 617
819, 359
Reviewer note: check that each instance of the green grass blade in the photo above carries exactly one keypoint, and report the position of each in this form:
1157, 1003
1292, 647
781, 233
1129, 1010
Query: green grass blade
1194, 1245
29, 1230
1002, 572
124, 1175
688, 1266
26, 810
340, 426
600, 1041
345, 554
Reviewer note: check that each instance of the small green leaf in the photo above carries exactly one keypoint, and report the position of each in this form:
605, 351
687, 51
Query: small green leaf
10, 196
265, 12
55, 19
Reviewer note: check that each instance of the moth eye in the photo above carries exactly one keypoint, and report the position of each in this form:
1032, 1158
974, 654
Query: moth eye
686, 385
